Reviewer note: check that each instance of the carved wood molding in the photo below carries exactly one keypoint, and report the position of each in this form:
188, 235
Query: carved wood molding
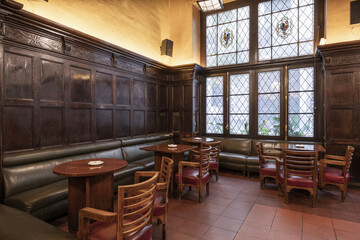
88, 54
338, 54
342, 60
32, 39
129, 66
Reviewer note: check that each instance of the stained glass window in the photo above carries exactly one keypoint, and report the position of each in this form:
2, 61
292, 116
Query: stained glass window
239, 103
227, 37
285, 29
301, 102
214, 104
269, 103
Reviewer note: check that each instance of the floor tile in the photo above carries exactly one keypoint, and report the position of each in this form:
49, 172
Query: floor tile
252, 231
280, 235
193, 229
215, 233
323, 232
227, 223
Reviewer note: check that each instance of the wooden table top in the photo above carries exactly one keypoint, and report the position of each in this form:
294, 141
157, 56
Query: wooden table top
164, 148
197, 139
81, 168
299, 147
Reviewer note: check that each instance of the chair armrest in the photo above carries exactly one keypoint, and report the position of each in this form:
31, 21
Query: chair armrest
139, 174
334, 157
324, 162
188, 164
161, 186
271, 158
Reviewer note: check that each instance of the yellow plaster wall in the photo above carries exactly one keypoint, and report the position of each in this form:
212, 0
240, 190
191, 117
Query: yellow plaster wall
338, 22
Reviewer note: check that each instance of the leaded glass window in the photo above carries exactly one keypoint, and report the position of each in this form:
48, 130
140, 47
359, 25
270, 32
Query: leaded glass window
301, 102
214, 104
285, 29
239, 103
227, 37
269, 103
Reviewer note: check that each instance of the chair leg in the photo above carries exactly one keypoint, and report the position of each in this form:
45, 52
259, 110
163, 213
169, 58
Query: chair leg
286, 196
343, 195
262, 183
189, 188
217, 174
207, 188
200, 193
314, 200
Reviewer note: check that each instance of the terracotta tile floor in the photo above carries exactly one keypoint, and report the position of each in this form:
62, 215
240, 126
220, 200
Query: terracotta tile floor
238, 209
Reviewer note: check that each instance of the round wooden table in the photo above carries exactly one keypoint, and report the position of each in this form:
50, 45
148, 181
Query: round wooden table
89, 186
197, 140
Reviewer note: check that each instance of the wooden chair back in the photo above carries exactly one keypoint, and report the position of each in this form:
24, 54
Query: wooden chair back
214, 149
165, 175
348, 158
135, 206
300, 163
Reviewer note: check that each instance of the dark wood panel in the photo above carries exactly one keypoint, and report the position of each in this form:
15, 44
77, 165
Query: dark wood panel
138, 93
342, 88
122, 91
51, 84
188, 97
122, 123
104, 124
163, 99
177, 97
18, 127
151, 95
176, 121
138, 121
340, 124
80, 125
187, 126
163, 121
103, 88
52, 126
18, 76
151, 122
80, 84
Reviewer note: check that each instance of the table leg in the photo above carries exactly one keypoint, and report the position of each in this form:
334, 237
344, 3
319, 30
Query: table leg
76, 201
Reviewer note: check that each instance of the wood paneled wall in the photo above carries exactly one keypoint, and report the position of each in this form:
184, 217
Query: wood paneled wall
342, 100
60, 87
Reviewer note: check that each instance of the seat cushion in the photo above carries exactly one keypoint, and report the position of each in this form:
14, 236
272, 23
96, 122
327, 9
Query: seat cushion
233, 158
159, 204
190, 175
334, 175
107, 231
268, 169
213, 165
297, 181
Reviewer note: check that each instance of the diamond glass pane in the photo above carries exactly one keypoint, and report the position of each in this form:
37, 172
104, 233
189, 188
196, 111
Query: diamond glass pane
211, 20
226, 59
214, 124
214, 86
211, 41
243, 57
269, 125
264, 34
264, 54
285, 51
264, 8
301, 125
301, 102
269, 82
306, 48
243, 41
214, 105
269, 103
306, 23
239, 84
227, 16
227, 38
301, 79
239, 104
211, 61
239, 124
243, 13
280, 5
305, 2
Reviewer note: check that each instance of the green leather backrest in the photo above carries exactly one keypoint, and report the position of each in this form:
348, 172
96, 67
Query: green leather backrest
236, 145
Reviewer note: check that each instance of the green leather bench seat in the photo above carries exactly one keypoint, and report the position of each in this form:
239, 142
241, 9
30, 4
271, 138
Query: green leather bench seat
126, 175
16, 224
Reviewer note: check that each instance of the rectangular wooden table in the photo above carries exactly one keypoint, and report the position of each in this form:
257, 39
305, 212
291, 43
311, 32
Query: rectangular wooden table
89, 186
300, 147
175, 153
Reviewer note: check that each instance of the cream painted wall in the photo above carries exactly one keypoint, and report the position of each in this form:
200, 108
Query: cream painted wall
338, 22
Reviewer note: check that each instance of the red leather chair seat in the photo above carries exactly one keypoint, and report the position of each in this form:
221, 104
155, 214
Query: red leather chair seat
159, 205
213, 164
190, 175
269, 169
297, 181
334, 175
107, 231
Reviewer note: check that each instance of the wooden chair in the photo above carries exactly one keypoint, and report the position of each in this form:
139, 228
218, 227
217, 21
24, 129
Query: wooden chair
195, 174
337, 175
267, 165
300, 172
162, 190
132, 220
214, 156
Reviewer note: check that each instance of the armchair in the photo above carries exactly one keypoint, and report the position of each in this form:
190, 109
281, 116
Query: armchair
268, 164
334, 170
